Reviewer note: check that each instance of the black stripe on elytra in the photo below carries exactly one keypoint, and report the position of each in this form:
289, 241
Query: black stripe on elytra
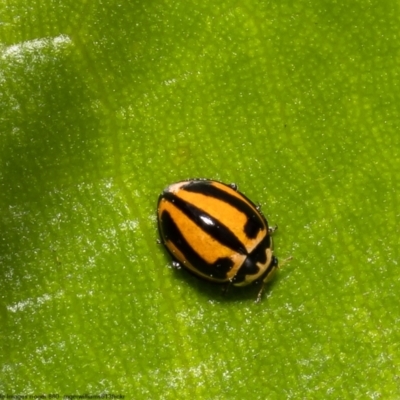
255, 221
170, 232
258, 255
207, 223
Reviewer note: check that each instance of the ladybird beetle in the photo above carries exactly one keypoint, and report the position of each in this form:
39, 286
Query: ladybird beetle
216, 232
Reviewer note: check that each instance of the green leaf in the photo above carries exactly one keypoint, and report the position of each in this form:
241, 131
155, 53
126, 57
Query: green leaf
103, 104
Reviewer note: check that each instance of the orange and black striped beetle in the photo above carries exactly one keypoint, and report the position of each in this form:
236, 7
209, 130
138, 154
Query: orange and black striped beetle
216, 232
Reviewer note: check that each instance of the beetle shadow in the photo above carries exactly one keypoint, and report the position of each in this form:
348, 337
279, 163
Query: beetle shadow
225, 292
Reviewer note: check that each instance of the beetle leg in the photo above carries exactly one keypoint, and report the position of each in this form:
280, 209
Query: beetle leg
226, 287
273, 229
285, 261
258, 299
270, 275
